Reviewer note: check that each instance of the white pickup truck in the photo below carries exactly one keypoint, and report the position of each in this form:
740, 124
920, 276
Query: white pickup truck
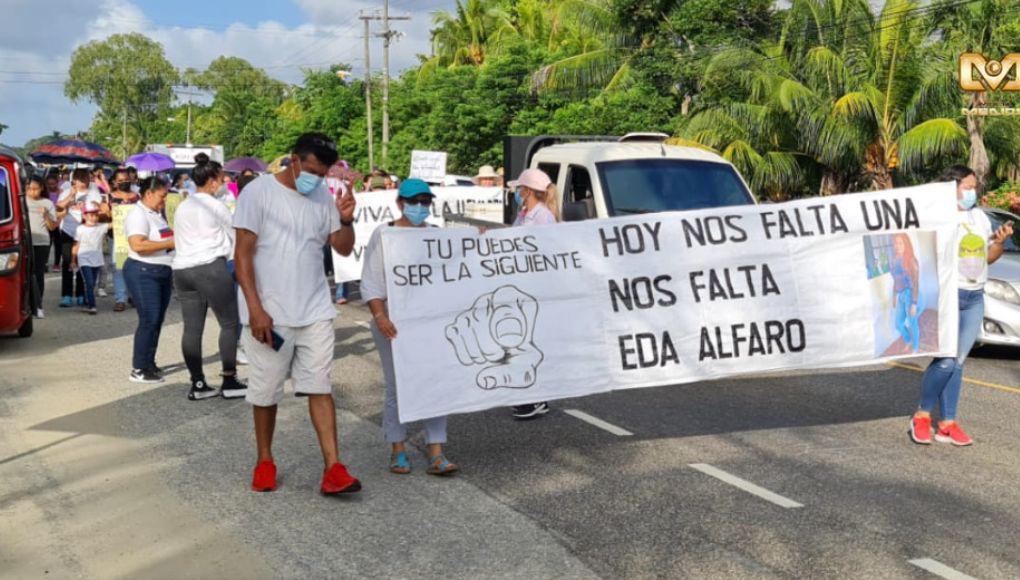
600, 177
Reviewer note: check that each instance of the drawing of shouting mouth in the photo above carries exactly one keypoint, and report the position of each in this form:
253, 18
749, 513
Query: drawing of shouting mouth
497, 331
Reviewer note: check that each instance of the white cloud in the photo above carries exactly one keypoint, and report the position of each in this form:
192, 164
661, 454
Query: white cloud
39, 51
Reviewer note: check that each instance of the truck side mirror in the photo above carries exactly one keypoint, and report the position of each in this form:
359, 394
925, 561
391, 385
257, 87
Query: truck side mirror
577, 211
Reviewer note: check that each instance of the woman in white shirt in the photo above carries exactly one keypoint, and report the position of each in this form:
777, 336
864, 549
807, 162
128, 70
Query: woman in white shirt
977, 247
148, 275
69, 212
415, 201
204, 232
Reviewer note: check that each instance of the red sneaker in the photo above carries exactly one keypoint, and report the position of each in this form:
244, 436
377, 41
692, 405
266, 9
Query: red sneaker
336, 479
265, 476
952, 433
920, 430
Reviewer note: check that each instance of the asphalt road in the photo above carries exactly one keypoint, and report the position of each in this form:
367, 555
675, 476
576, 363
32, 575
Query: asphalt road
793, 475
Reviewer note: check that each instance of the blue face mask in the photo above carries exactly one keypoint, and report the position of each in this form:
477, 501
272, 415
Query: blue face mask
969, 198
518, 199
416, 213
305, 182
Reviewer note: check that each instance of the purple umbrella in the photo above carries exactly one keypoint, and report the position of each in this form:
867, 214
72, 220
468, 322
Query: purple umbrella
245, 163
150, 162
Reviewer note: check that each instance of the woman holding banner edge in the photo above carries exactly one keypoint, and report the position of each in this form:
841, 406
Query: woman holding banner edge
977, 247
535, 195
414, 198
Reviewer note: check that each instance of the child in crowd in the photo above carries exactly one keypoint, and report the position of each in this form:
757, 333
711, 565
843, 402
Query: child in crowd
88, 253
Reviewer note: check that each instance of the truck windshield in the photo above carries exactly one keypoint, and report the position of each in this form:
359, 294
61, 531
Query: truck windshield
653, 185
6, 203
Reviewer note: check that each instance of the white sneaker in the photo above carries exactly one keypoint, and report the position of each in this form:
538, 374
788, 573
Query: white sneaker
101, 292
39, 313
242, 359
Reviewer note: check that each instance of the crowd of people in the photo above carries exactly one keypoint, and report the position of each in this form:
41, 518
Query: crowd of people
259, 268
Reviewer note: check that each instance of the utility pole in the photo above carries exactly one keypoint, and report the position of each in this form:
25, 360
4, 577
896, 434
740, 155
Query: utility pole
187, 139
387, 36
368, 87
123, 132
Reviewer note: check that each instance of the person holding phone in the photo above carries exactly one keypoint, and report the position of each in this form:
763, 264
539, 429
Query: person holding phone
978, 246
281, 222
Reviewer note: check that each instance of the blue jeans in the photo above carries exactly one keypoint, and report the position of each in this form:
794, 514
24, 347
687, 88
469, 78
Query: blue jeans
120, 293
91, 276
944, 377
149, 286
906, 324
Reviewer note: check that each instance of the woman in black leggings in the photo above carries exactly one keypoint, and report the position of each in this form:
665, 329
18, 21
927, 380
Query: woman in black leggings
204, 235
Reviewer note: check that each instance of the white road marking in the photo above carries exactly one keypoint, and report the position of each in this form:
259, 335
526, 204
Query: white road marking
939, 569
598, 422
746, 485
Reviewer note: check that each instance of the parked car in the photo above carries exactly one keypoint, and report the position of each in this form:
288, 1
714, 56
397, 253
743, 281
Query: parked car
1002, 292
15, 248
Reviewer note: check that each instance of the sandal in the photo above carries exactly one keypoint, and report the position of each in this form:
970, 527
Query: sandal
399, 463
441, 466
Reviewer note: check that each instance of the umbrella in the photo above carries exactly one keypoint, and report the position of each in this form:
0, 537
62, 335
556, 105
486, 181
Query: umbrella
150, 162
72, 151
278, 164
240, 164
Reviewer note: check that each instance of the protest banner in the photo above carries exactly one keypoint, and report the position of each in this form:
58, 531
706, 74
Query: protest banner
173, 200
120, 243
520, 315
380, 207
428, 165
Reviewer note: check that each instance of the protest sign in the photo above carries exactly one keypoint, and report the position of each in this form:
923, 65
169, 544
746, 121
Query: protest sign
520, 315
380, 207
173, 200
120, 243
428, 165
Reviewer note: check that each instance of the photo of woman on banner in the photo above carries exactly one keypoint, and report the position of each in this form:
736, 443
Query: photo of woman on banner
906, 291
977, 246
904, 284
414, 198
535, 195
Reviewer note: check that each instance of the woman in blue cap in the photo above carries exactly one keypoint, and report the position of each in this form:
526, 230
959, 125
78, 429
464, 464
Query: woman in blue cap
414, 198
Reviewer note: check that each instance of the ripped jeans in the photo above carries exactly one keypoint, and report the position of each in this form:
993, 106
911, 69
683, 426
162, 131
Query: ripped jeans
944, 377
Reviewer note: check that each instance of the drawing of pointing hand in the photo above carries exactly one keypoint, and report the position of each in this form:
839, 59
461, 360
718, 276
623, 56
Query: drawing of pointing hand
498, 331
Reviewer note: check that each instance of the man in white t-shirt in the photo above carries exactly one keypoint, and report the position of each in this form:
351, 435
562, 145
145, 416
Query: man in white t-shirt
282, 222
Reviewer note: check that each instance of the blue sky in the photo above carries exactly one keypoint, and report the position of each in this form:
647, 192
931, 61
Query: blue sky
283, 36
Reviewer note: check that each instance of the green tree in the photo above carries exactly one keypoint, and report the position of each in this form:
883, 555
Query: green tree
244, 103
467, 35
129, 78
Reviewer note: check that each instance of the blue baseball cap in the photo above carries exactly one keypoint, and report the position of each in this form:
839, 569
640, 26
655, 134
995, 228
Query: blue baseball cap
414, 187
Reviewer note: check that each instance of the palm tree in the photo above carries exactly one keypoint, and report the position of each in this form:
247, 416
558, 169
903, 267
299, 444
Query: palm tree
856, 100
986, 27
467, 35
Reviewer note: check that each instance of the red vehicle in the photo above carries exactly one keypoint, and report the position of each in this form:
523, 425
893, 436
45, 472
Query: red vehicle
15, 248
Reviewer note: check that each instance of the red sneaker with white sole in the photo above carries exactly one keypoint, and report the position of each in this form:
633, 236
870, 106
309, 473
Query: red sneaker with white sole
920, 430
952, 433
265, 476
336, 480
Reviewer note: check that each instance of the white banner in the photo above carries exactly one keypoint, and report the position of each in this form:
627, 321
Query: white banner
428, 165
380, 207
522, 315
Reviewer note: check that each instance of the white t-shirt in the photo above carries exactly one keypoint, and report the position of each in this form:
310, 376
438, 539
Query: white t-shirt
40, 234
373, 267
973, 237
90, 244
203, 231
73, 218
291, 229
142, 221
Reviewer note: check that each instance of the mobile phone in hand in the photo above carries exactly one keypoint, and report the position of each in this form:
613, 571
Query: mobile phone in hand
277, 340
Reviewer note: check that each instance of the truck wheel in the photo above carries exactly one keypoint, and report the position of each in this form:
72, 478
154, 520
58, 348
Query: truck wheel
26, 329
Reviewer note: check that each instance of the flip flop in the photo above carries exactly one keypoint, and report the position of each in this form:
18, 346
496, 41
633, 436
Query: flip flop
441, 466
399, 463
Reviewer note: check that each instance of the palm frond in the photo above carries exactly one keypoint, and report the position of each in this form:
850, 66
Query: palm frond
931, 141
